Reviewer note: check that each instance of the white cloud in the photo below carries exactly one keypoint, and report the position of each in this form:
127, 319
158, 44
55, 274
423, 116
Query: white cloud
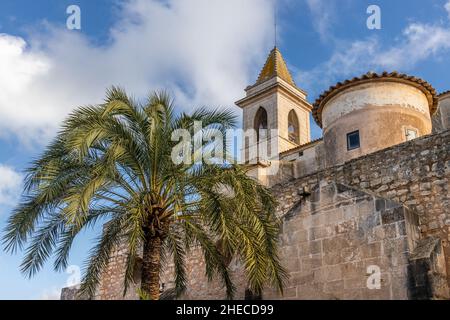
325, 15
418, 42
204, 51
322, 13
422, 41
53, 293
10, 185
447, 7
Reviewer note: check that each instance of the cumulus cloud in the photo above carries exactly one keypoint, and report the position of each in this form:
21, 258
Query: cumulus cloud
325, 15
421, 42
53, 293
418, 42
447, 7
10, 185
322, 16
203, 51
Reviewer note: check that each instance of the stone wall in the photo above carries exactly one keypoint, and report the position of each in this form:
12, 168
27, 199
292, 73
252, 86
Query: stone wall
199, 288
71, 293
333, 241
426, 271
112, 281
415, 174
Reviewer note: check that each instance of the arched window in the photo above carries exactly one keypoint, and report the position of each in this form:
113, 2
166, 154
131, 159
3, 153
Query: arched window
261, 124
293, 128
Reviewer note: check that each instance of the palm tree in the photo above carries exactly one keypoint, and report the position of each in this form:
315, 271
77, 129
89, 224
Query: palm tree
112, 163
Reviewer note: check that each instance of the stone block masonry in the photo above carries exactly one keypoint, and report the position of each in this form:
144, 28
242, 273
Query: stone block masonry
333, 240
415, 174
199, 288
426, 271
112, 281
388, 209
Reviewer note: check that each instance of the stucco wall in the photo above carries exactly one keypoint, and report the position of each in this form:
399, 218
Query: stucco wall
379, 128
381, 111
380, 94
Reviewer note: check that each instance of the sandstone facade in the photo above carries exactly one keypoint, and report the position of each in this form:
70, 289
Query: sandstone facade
388, 210
371, 222
377, 210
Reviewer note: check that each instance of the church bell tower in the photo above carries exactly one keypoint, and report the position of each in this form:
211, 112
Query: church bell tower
276, 109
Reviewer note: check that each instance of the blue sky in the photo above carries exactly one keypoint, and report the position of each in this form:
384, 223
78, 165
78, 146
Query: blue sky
205, 52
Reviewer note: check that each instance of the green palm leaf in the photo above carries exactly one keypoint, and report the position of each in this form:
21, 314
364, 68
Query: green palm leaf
112, 162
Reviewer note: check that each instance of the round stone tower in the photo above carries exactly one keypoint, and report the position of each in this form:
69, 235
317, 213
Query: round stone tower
373, 112
444, 109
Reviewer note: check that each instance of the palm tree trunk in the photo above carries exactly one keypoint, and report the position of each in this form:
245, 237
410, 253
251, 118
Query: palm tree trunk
151, 267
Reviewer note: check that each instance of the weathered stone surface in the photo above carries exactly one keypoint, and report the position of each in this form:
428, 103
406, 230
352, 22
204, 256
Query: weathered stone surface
329, 241
367, 234
415, 174
427, 271
71, 293
331, 258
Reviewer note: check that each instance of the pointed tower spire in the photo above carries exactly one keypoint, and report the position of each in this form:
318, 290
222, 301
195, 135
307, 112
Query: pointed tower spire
283, 105
275, 67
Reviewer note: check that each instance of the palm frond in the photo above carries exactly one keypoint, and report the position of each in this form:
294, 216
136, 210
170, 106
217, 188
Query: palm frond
176, 248
113, 162
100, 254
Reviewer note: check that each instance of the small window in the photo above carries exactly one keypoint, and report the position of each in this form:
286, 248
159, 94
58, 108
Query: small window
353, 141
411, 134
